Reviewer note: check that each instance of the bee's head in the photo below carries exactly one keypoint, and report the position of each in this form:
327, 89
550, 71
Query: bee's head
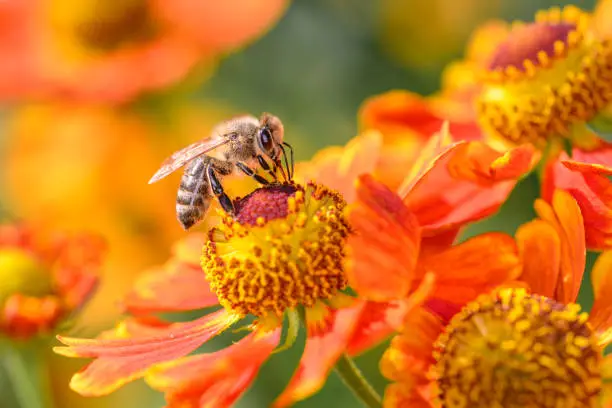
270, 136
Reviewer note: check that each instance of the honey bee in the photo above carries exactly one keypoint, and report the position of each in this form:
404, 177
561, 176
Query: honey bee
239, 145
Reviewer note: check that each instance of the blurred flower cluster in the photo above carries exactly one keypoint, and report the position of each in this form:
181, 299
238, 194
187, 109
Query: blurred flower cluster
365, 244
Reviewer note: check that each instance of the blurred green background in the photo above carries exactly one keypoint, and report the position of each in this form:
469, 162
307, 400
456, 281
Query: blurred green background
314, 69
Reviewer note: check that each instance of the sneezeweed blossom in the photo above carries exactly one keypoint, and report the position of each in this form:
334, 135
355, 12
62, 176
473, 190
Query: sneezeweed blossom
123, 48
525, 345
282, 252
47, 277
546, 83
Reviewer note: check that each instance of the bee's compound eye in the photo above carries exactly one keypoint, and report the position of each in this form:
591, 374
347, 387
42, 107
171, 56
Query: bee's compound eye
265, 139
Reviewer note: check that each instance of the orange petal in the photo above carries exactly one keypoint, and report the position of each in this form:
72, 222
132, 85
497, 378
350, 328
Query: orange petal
591, 187
410, 354
540, 251
601, 313
465, 183
170, 290
213, 379
326, 341
119, 361
601, 157
376, 322
386, 240
338, 167
565, 217
189, 249
399, 396
473, 267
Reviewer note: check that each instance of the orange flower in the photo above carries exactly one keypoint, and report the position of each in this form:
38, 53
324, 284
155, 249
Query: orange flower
47, 277
544, 83
537, 347
98, 182
122, 49
282, 252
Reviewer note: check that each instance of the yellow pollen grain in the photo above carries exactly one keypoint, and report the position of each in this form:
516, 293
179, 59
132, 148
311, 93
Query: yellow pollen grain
512, 350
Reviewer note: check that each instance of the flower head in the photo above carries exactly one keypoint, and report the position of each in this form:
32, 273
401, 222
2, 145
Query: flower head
46, 277
527, 344
546, 77
123, 48
280, 253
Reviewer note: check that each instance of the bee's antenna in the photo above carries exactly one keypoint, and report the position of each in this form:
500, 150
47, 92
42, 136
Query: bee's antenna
292, 159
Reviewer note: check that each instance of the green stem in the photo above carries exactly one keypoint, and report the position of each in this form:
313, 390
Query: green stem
352, 377
27, 378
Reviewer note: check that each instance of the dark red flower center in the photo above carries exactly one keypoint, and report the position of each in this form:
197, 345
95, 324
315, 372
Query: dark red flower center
269, 202
524, 43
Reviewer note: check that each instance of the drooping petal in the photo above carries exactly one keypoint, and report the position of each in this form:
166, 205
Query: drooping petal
168, 289
564, 215
326, 341
473, 267
601, 313
213, 379
591, 187
119, 361
410, 354
465, 183
540, 251
386, 240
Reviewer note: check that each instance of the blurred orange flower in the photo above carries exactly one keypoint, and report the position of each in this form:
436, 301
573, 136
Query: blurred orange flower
114, 51
451, 352
87, 167
47, 276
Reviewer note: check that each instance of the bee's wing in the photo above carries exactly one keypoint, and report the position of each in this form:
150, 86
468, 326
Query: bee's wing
181, 157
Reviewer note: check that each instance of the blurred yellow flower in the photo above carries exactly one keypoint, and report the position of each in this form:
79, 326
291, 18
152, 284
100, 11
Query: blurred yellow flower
113, 51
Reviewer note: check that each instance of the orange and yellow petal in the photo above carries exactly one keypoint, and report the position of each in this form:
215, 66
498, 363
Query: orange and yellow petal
377, 321
466, 182
408, 358
540, 251
327, 338
563, 214
600, 316
590, 186
25, 316
213, 379
119, 361
386, 239
476, 266
399, 396
338, 167
166, 289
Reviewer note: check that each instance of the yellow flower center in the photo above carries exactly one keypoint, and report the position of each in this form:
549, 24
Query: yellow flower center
516, 350
103, 25
284, 248
546, 77
23, 274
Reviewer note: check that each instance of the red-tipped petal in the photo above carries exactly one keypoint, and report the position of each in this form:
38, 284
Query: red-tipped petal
601, 313
326, 341
566, 218
540, 250
465, 183
386, 240
119, 361
214, 379
601, 157
168, 289
473, 267
591, 187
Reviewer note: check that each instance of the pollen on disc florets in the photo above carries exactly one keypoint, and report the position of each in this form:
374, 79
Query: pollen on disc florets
545, 77
283, 248
516, 350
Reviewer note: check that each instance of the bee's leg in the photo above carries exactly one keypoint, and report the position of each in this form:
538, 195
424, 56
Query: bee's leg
217, 189
251, 173
264, 165
291, 160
